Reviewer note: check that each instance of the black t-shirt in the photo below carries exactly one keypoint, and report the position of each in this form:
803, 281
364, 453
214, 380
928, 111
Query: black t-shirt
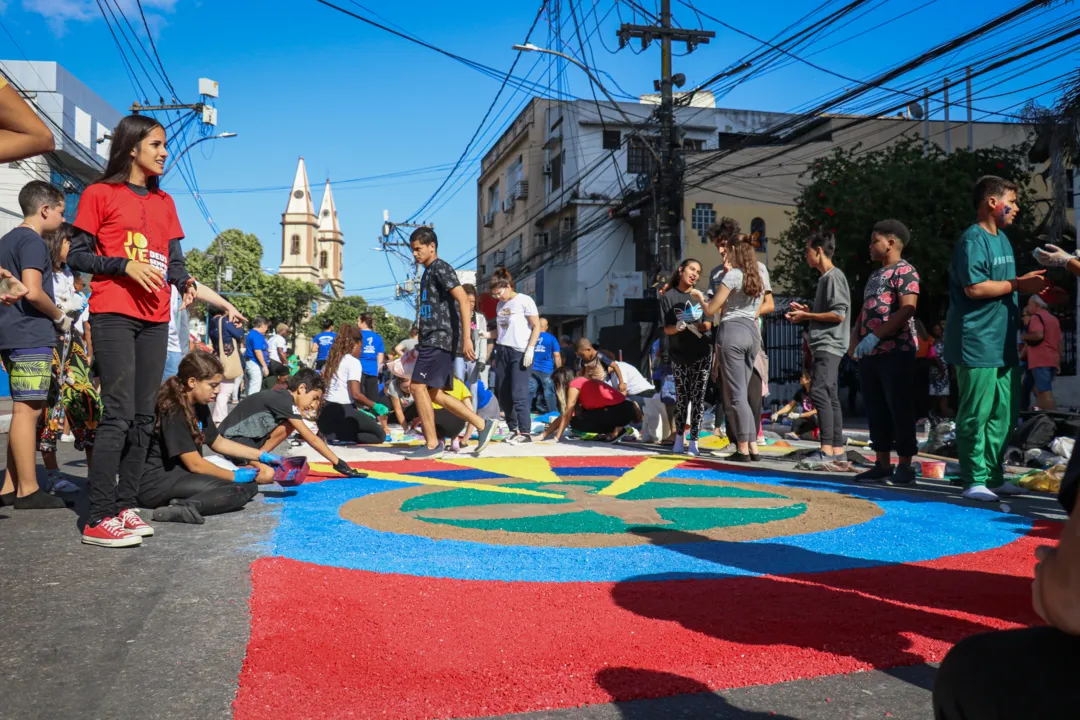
22, 325
439, 318
683, 347
174, 439
257, 415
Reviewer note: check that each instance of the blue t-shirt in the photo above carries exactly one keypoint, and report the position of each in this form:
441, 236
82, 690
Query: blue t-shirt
256, 341
324, 341
22, 325
372, 345
544, 355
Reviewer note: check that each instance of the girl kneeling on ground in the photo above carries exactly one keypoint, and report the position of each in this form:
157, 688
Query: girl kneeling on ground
589, 406
178, 481
348, 415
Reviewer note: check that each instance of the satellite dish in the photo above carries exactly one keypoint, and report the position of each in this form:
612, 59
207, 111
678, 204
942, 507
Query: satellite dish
915, 109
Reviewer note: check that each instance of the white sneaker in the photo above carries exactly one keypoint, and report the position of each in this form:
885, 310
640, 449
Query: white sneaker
980, 493
517, 439
679, 444
692, 449
1009, 488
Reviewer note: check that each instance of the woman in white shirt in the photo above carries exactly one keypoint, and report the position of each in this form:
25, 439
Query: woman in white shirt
341, 421
518, 324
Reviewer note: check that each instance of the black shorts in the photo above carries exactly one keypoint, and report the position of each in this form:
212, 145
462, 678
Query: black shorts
434, 368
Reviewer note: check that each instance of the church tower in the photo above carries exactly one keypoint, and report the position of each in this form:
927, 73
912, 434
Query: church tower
330, 255
299, 232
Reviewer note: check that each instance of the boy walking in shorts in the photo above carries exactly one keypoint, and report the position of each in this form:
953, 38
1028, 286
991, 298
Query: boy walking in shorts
28, 331
441, 328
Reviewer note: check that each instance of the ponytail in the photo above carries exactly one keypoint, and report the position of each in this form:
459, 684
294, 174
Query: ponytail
741, 255
197, 365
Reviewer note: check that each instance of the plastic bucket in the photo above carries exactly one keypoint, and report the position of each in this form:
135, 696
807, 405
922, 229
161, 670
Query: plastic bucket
933, 469
293, 471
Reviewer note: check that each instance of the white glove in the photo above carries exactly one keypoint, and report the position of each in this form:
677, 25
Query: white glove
63, 325
74, 305
794, 416
680, 326
1056, 257
527, 360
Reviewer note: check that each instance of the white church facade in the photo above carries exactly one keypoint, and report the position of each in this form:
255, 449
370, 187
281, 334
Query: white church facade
312, 246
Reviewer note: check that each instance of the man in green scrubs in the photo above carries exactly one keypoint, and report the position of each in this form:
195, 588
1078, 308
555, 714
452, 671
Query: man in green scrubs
980, 338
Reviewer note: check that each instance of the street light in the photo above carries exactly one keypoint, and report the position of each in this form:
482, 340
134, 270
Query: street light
220, 136
529, 47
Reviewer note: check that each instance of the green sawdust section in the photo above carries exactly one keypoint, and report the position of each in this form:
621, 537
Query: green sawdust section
681, 519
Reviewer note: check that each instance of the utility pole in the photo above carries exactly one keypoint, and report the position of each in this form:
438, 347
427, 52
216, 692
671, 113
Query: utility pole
207, 89
669, 177
970, 122
948, 140
411, 286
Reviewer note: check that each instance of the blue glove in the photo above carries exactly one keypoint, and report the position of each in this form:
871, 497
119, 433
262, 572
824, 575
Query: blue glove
381, 409
244, 474
270, 459
867, 346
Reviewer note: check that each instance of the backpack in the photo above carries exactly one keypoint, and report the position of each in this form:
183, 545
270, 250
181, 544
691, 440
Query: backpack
1037, 432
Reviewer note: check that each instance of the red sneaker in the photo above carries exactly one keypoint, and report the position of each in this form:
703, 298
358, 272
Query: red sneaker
134, 524
109, 532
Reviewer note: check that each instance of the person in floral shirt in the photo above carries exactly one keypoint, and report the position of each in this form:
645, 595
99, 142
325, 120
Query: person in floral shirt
883, 341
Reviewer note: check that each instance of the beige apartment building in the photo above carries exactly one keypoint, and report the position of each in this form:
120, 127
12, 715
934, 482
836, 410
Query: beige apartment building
564, 200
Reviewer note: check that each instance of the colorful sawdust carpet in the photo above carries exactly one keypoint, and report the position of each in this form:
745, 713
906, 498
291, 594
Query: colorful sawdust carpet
472, 587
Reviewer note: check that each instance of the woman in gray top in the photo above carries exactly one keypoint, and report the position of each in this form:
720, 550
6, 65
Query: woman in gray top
740, 294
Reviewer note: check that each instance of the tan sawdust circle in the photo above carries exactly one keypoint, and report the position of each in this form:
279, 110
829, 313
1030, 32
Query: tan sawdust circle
824, 511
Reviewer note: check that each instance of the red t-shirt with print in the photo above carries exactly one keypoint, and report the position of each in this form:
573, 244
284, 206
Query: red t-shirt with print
130, 226
594, 395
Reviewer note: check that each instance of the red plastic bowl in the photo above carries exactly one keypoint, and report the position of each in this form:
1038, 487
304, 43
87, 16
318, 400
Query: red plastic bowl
293, 471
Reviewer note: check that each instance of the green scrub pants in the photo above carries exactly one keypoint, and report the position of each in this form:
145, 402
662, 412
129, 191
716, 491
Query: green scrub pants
986, 416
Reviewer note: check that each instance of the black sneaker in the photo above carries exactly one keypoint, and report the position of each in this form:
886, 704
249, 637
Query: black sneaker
485, 436
876, 474
39, 500
904, 475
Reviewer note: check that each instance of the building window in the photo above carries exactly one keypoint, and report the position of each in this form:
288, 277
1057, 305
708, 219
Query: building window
556, 172
295, 245
493, 197
638, 157
612, 139
701, 217
693, 145
322, 260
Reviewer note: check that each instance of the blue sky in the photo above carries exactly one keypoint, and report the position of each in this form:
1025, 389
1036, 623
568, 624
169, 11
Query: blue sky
298, 78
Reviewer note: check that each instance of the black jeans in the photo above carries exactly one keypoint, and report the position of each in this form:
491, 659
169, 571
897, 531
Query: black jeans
347, 424
826, 398
130, 358
512, 388
604, 420
1042, 665
886, 381
211, 495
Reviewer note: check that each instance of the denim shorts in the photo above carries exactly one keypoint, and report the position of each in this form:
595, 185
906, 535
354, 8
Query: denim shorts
1044, 378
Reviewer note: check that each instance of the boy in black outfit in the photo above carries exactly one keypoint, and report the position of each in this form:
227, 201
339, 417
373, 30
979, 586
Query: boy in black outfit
265, 419
28, 329
440, 330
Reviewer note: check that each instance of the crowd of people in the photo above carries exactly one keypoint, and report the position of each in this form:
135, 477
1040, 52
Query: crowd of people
115, 368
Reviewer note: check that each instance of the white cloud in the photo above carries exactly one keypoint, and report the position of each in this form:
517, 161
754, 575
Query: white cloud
59, 13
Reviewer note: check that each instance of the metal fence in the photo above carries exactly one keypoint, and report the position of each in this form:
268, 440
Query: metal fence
784, 343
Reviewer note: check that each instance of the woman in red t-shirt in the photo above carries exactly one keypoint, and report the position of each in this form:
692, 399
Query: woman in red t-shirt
589, 406
128, 236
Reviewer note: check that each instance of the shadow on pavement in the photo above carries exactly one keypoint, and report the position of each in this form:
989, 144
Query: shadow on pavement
870, 614
694, 699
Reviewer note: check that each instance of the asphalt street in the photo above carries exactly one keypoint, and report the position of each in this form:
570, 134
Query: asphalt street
160, 631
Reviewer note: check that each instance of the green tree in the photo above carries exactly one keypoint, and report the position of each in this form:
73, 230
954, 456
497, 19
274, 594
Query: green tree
243, 253
346, 310
287, 300
847, 192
